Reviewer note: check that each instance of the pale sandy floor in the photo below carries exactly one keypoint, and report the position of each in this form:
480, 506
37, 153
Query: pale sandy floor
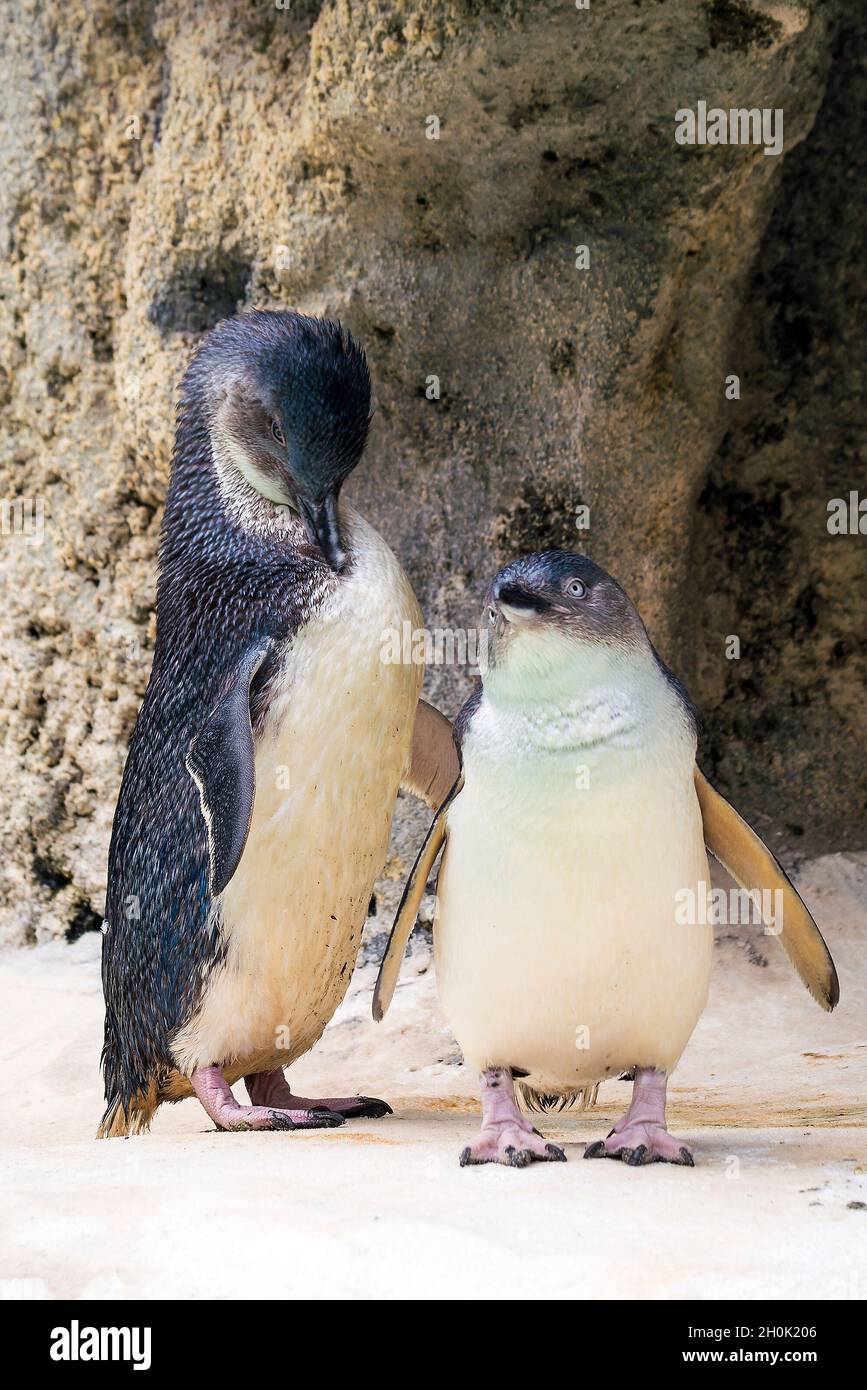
772, 1095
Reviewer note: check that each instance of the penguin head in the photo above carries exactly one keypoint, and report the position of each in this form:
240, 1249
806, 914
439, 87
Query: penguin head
551, 614
287, 402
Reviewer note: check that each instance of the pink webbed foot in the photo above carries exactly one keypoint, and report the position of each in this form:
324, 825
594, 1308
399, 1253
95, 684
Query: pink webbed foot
216, 1097
507, 1136
271, 1088
638, 1144
512, 1145
641, 1136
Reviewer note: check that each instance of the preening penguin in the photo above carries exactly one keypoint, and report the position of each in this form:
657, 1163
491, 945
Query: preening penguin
574, 838
258, 793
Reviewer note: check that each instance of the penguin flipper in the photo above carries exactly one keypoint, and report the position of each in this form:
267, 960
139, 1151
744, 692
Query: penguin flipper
220, 761
434, 765
749, 861
407, 913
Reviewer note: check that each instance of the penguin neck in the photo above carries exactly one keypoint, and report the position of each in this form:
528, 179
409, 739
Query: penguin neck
265, 516
250, 502
596, 696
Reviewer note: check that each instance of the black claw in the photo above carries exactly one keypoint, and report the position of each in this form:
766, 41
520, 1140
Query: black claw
555, 1153
686, 1158
519, 1158
368, 1109
279, 1121
466, 1157
634, 1157
325, 1119
595, 1150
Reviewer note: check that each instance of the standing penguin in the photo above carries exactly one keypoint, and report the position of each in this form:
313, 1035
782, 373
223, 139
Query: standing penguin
262, 774
575, 836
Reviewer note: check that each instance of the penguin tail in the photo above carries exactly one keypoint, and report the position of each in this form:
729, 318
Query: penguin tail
132, 1084
582, 1099
124, 1117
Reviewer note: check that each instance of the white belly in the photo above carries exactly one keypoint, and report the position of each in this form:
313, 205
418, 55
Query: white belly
328, 767
557, 945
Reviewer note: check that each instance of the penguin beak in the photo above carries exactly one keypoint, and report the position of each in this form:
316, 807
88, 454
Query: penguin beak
518, 604
322, 528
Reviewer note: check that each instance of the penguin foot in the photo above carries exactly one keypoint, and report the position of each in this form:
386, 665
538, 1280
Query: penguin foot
507, 1136
641, 1137
260, 1117
351, 1107
638, 1144
272, 1089
512, 1145
216, 1097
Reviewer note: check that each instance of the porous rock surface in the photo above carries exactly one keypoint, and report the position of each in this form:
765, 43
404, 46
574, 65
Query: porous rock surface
166, 163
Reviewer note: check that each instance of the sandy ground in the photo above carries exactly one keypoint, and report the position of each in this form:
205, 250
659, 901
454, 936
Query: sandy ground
772, 1095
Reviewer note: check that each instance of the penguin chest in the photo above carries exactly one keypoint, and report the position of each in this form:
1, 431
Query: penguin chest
330, 757
559, 946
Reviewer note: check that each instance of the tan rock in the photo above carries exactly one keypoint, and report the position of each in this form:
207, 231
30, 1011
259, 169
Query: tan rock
167, 163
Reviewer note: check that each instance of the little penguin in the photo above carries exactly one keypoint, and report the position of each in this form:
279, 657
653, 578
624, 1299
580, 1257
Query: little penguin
262, 774
575, 840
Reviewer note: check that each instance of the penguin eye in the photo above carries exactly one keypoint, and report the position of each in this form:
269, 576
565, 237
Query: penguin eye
576, 588
277, 433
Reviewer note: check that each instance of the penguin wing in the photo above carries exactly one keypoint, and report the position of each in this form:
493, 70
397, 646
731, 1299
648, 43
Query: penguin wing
407, 913
220, 761
749, 861
434, 765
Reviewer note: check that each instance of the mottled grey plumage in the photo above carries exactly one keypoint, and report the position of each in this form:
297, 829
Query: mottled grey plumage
229, 598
